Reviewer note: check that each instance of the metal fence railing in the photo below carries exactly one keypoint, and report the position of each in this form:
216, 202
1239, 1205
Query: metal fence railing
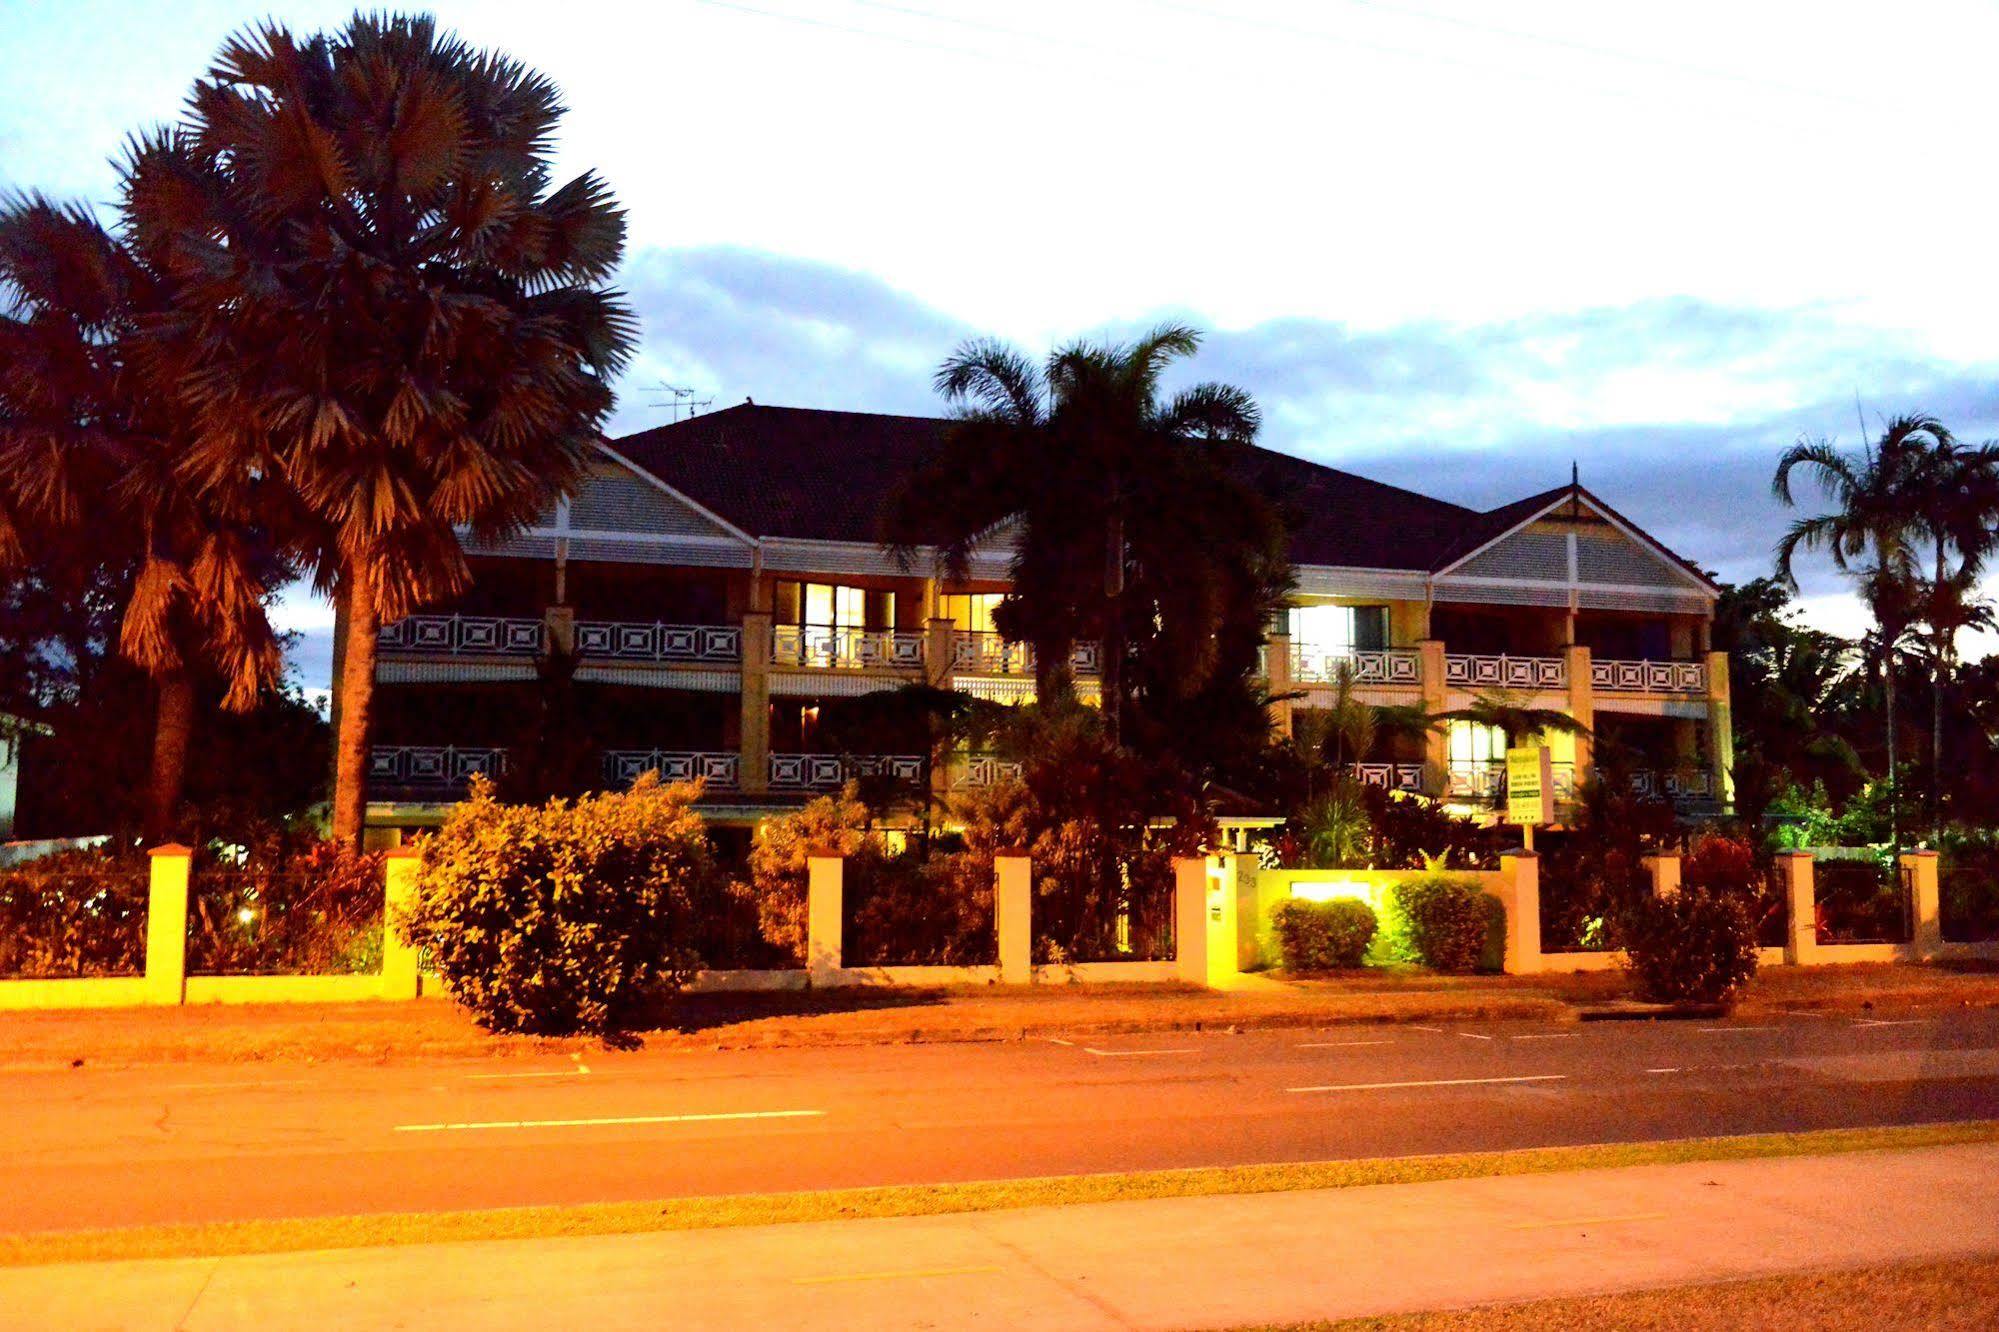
250, 921
1968, 902
1862, 901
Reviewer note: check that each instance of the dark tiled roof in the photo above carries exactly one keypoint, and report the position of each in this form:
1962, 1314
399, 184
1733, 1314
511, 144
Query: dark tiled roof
830, 476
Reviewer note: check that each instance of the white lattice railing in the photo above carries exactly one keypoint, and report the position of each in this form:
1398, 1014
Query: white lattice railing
1479, 672
1487, 781
988, 770
1648, 677
630, 640
1391, 776
977, 652
1387, 667
815, 772
719, 769
463, 635
816, 645
433, 767
1691, 784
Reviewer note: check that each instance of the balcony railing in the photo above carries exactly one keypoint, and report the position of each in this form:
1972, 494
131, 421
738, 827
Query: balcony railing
977, 652
1648, 677
442, 768
820, 772
983, 770
1503, 672
463, 635
1390, 776
1390, 667
720, 769
1486, 782
1674, 784
852, 649
627, 640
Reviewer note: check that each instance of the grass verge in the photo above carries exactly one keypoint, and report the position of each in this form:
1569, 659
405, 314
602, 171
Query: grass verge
1958, 1294
346, 1232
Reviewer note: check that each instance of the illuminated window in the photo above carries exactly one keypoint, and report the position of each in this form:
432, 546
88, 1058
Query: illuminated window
833, 606
970, 611
1337, 630
1473, 744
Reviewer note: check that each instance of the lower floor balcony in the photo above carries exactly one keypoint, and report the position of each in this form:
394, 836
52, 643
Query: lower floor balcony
1485, 783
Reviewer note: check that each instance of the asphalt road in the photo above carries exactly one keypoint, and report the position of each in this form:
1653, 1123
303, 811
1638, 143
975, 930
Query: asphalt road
89, 1148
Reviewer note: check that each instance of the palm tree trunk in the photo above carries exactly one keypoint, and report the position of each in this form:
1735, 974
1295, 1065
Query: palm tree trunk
1113, 663
173, 726
356, 688
1894, 812
1940, 637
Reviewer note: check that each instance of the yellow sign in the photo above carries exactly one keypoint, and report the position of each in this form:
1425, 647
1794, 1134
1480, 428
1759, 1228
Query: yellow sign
1530, 794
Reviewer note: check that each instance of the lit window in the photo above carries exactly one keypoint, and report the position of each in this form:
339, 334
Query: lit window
1334, 631
1473, 744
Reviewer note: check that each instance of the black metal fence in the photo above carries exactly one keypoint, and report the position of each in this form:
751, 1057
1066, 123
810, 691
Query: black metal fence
248, 921
1862, 901
1968, 901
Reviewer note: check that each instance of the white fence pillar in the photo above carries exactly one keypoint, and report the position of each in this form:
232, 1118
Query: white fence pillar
1520, 876
1801, 916
1204, 921
824, 912
1013, 917
1665, 869
1925, 913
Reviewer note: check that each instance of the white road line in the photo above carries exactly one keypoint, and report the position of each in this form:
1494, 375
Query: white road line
1338, 1045
1057, 1040
1432, 1082
1891, 1022
1474, 1036
1134, 1054
1662, 1070
611, 1120
1546, 1036
237, 1086
545, 1073
1731, 1031
1437, 1030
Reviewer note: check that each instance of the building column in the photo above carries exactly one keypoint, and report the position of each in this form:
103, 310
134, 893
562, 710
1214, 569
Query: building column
1721, 730
1582, 706
753, 772
559, 623
1436, 743
1277, 680
940, 646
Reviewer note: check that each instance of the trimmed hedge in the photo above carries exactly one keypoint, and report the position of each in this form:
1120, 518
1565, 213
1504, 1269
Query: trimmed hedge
1695, 946
1448, 921
1324, 936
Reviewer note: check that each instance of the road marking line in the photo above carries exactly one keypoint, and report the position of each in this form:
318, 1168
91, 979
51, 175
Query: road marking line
1134, 1054
610, 1120
1731, 1031
912, 1274
1546, 1036
1438, 1030
1662, 1070
545, 1073
1891, 1022
1433, 1082
1473, 1036
1588, 1221
1057, 1040
1338, 1045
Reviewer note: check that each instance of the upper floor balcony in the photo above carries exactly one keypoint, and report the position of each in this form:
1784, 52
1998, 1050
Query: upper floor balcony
984, 653
830, 648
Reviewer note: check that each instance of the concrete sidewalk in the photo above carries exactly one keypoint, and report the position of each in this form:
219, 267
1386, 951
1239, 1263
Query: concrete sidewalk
1177, 1263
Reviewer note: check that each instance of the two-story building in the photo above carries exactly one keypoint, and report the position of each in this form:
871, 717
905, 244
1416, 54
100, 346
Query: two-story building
715, 582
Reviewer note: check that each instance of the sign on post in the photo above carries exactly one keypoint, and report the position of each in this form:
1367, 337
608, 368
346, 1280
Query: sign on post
1530, 786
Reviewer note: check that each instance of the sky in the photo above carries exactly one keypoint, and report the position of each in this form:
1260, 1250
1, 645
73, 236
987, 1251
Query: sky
1454, 246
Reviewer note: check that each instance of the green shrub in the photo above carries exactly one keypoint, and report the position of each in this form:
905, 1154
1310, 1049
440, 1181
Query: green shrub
563, 917
1448, 921
776, 887
1695, 946
1323, 936
75, 913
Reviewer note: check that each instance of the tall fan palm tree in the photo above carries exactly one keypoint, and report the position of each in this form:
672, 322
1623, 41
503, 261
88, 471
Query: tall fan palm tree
89, 438
1127, 519
388, 312
1872, 531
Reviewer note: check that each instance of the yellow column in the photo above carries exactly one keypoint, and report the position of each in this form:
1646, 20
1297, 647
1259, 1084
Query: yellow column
939, 652
754, 776
1582, 705
1013, 917
1520, 876
1204, 921
1665, 868
1801, 931
824, 911
1925, 916
400, 961
1277, 678
166, 924
1436, 744
1721, 729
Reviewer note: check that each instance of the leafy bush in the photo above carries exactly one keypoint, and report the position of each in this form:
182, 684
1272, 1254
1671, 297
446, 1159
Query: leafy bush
1448, 921
75, 913
834, 825
563, 917
313, 910
1694, 946
1323, 936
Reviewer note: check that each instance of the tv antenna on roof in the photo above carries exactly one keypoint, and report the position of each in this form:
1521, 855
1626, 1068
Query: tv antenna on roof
678, 397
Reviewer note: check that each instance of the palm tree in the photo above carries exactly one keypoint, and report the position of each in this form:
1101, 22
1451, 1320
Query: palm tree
1872, 529
387, 311
1126, 517
89, 438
